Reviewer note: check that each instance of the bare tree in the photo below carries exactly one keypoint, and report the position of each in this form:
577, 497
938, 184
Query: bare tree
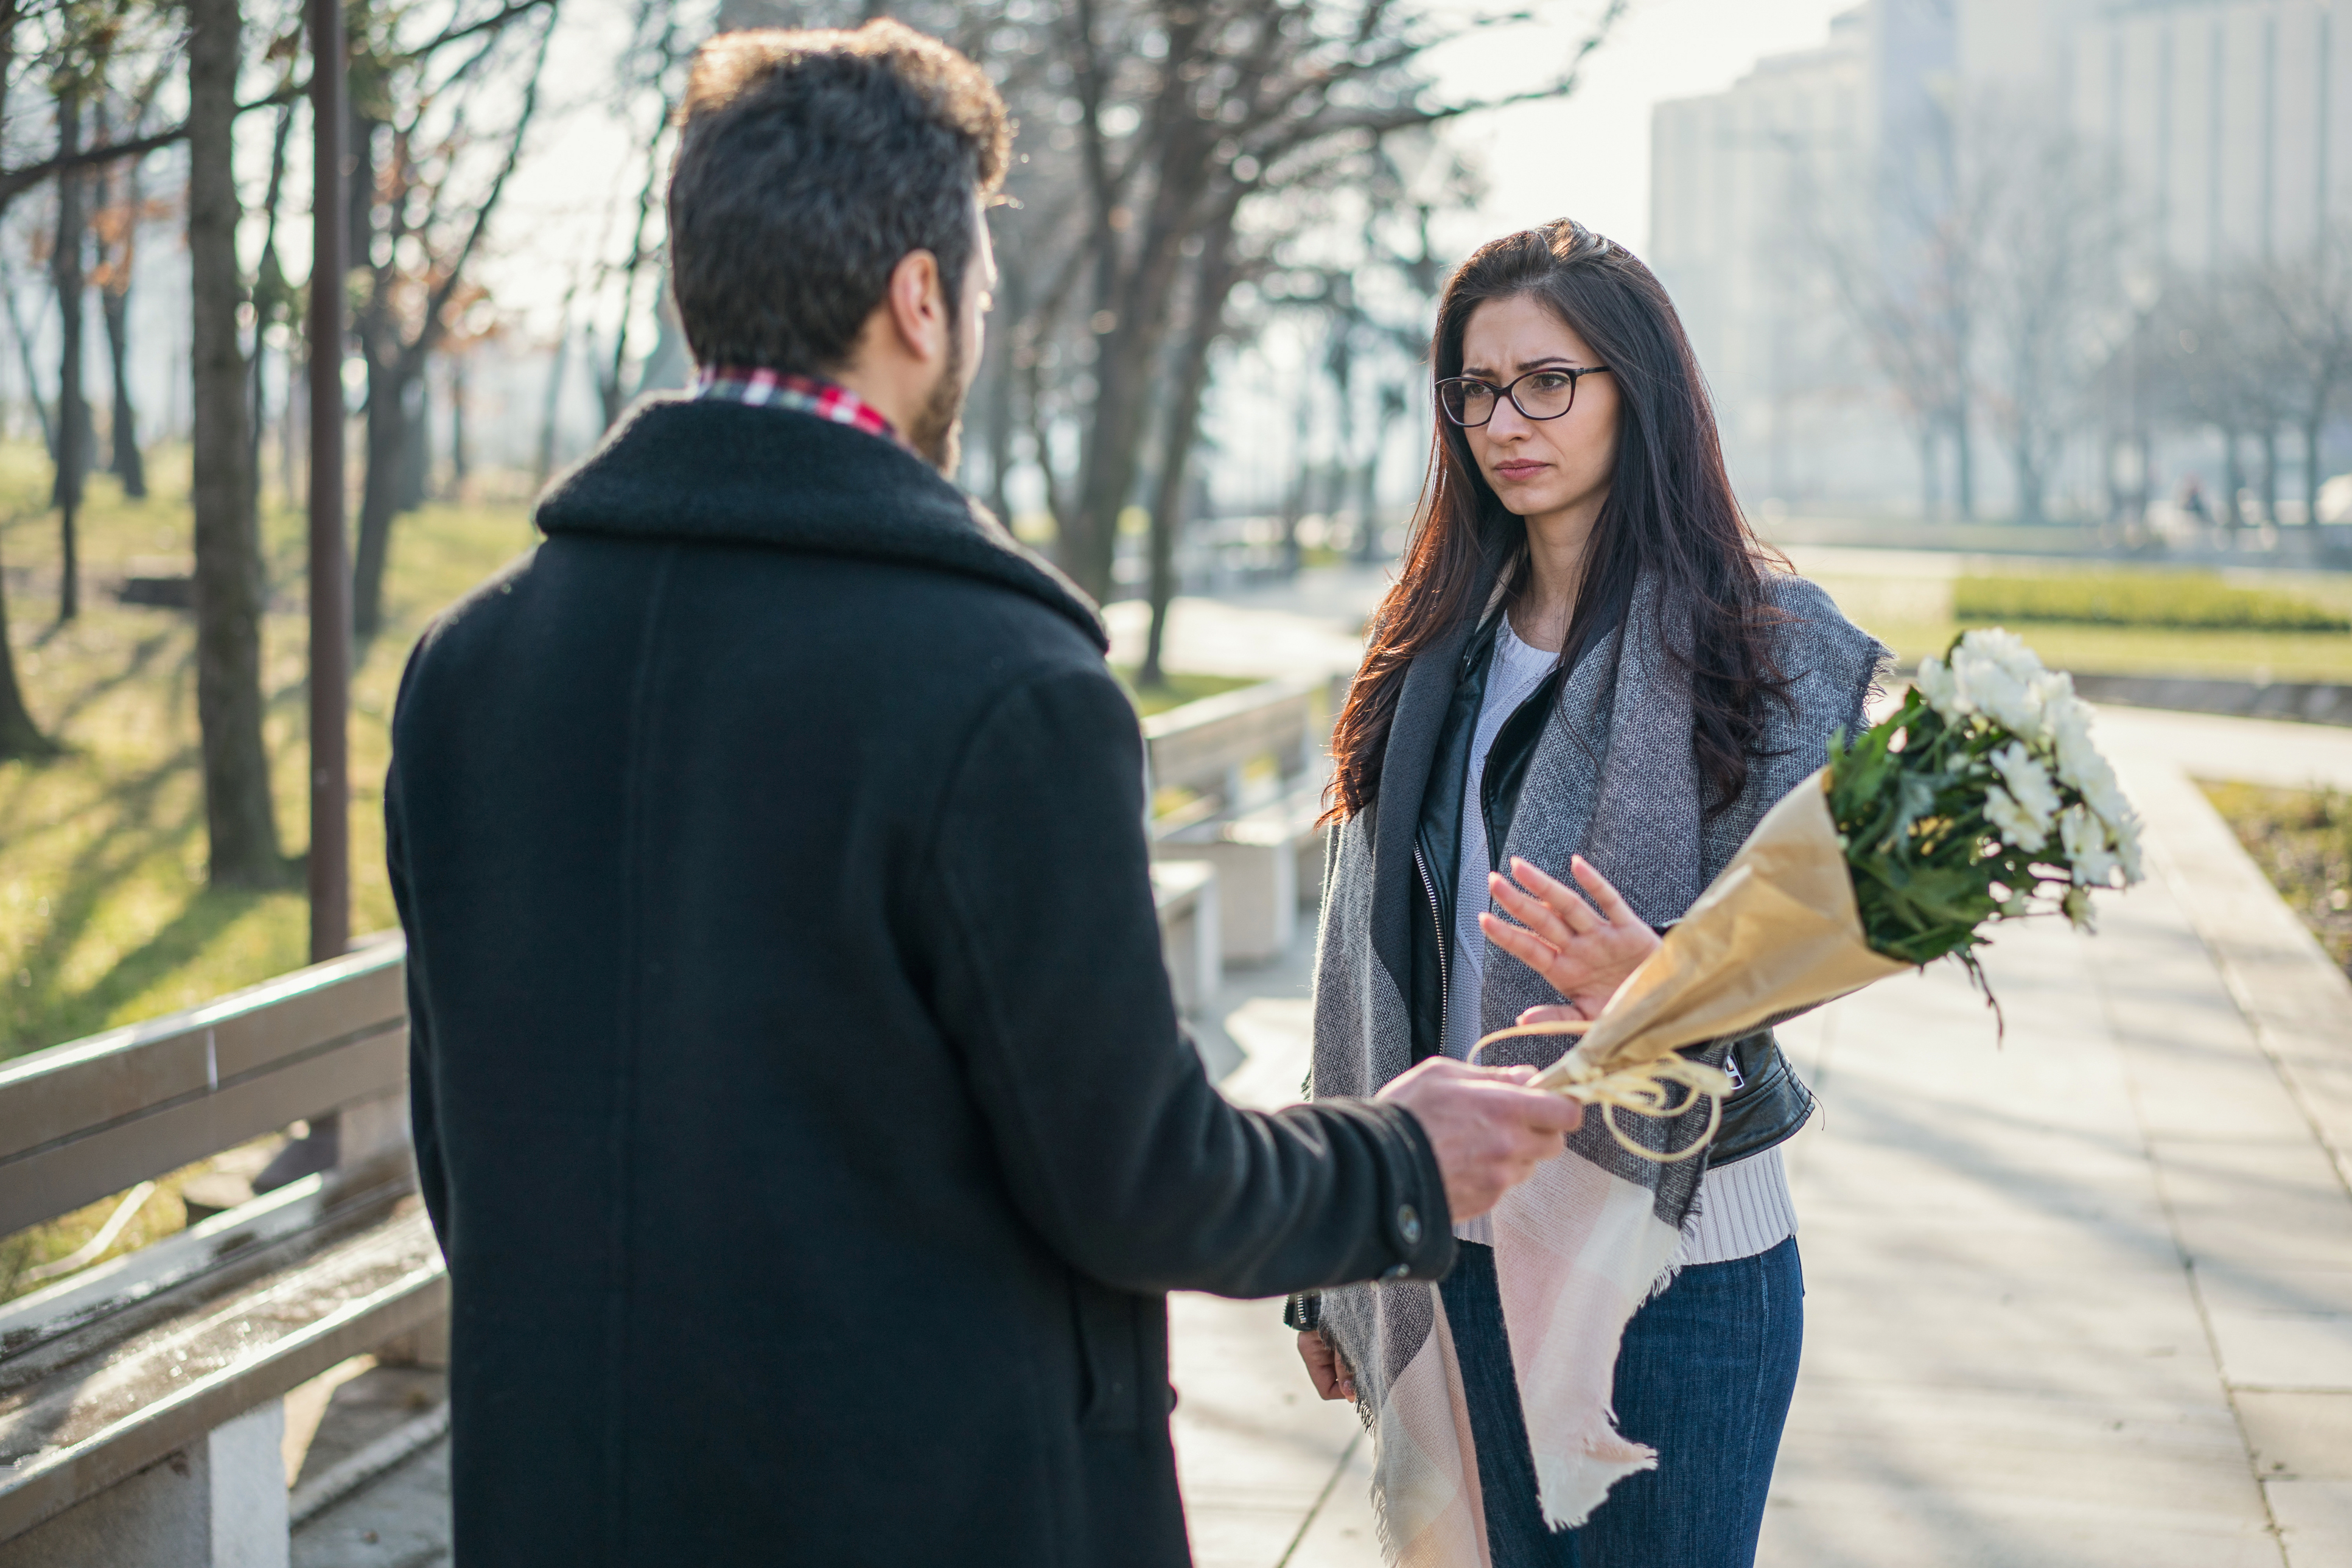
1182, 108
121, 209
650, 70
2052, 303
434, 218
73, 408
2215, 345
1904, 266
2308, 300
231, 591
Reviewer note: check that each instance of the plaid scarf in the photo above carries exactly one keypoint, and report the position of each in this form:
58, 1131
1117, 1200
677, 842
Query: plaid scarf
801, 394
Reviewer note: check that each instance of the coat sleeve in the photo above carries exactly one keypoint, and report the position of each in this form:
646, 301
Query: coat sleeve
1047, 975
424, 1115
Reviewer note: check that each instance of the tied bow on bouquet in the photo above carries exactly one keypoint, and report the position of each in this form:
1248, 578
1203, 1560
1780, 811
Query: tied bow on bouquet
1981, 799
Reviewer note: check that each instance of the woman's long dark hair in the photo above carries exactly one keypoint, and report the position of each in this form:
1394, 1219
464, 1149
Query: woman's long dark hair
1670, 512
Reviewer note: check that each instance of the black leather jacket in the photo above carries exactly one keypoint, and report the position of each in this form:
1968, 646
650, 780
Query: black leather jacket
1771, 1102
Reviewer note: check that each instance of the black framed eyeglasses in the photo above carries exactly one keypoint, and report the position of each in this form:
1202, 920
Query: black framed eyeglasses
1544, 394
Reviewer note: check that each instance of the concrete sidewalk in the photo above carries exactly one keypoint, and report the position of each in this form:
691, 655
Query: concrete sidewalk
2082, 1297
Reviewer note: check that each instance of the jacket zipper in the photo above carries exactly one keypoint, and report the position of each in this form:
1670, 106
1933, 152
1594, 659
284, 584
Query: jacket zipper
1445, 980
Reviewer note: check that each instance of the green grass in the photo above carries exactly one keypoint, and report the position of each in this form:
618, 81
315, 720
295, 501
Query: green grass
2302, 841
2170, 599
105, 917
1916, 616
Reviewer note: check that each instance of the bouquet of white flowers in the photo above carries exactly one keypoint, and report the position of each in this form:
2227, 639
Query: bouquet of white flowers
1981, 799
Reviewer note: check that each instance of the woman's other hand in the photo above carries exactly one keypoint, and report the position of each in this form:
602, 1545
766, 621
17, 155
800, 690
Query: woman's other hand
1324, 1365
1583, 952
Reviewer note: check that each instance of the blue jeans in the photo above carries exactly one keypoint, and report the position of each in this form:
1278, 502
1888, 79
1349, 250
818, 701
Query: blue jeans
1704, 1377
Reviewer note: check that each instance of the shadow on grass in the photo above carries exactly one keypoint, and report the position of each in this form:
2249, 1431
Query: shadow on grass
181, 940
145, 654
138, 830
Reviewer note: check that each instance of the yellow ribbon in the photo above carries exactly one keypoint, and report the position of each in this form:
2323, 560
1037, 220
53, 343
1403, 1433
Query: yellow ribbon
1648, 1090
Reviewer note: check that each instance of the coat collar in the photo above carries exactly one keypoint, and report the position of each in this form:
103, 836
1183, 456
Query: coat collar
714, 471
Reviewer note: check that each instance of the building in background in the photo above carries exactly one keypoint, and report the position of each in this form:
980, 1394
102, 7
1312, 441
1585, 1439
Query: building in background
1918, 260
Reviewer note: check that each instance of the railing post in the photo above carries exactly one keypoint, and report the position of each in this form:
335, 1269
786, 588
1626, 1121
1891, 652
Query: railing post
331, 585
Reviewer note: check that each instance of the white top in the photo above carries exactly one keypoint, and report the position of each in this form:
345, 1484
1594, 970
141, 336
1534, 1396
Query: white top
1744, 1208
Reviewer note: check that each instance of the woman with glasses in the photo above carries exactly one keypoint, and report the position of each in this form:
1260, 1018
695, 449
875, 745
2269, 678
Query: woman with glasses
1590, 674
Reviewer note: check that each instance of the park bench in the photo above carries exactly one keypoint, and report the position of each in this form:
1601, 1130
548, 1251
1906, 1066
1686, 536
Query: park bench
1185, 893
141, 1415
1237, 781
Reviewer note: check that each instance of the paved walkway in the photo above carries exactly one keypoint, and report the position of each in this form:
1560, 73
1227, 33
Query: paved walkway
2080, 1297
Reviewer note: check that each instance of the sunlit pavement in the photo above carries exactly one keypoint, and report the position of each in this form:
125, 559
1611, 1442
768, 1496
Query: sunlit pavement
2080, 1297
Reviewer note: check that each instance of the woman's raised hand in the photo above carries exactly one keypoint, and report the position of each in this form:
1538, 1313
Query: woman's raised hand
1584, 952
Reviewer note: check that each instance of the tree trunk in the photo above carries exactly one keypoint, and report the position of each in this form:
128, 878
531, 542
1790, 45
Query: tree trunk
20, 737
387, 443
127, 464
1001, 387
1126, 352
2233, 482
2029, 480
32, 371
460, 459
123, 459
230, 588
2270, 473
1180, 431
1964, 464
553, 403
1929, 500
417, 443
73, 409
2312, 478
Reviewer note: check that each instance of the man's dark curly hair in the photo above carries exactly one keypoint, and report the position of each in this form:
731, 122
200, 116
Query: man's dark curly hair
809, 164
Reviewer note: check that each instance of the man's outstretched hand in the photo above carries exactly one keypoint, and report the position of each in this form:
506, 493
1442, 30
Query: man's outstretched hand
1489, 1131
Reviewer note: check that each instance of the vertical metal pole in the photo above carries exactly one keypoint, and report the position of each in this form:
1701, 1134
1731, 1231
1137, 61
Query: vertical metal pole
330, 577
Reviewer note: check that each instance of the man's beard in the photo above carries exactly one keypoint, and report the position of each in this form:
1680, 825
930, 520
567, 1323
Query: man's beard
938, 431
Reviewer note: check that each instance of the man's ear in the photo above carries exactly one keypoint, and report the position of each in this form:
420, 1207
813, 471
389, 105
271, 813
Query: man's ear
918, 306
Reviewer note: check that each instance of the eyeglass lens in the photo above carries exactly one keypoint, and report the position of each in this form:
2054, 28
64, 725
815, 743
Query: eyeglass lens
1545, 395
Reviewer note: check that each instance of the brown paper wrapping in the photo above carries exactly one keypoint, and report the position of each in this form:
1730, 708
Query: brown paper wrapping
1778, 932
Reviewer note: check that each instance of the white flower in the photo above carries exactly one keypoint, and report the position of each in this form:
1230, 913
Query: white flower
2086, 840
2015, 823
2077, 905
1991, 690
1997, 675
2029, 786
1941, 690
2079, 760
2008, 651
2061, 709
2126, 827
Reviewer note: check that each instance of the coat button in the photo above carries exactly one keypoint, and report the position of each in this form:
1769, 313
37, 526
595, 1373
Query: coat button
1409, 1225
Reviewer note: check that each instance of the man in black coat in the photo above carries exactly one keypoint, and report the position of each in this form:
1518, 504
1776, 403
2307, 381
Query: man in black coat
798, 1094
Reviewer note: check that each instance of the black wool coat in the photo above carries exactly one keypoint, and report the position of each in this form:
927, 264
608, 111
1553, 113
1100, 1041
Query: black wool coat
798, 1093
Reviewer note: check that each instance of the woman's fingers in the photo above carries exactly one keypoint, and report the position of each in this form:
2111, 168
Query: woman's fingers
1557, 895
1613, 907
1553, 1012
1524, 945
1530, 911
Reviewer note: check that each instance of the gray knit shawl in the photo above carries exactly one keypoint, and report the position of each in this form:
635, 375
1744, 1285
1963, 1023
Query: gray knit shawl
1613, 778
